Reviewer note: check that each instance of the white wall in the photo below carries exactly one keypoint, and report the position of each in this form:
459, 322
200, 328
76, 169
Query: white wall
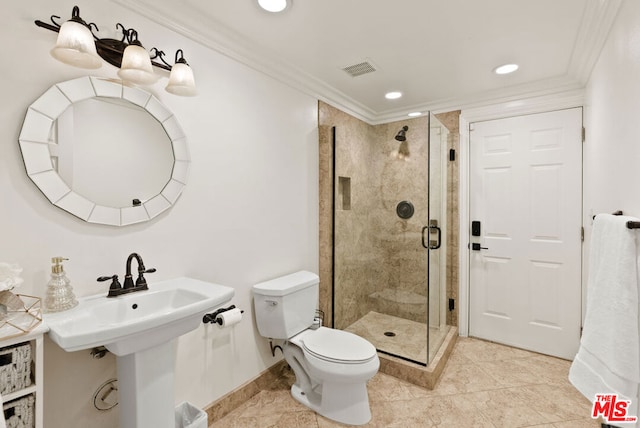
612, 121
249, 212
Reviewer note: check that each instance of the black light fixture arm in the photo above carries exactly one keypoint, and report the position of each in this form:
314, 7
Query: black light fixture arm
111, 50
132, 36
180, 57
156, 53
55, 27
75, 17
125, 32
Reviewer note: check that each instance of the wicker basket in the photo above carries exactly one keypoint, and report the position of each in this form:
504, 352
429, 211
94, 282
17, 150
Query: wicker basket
15, 367
19, 412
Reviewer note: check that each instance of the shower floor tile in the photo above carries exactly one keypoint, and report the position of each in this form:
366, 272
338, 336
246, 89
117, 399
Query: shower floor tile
531, 390
409, 340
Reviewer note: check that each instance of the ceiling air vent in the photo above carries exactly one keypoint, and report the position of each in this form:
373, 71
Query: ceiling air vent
359, 69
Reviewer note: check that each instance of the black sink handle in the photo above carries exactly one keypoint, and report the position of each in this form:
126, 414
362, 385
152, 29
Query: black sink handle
115, 284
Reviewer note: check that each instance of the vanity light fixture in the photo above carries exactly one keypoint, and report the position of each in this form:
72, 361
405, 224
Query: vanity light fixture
181, 81
415, 114
77, 45
135, 66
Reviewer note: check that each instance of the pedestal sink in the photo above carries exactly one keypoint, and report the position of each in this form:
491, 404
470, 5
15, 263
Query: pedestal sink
141, 329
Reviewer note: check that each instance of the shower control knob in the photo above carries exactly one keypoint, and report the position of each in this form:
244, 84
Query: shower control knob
405, 210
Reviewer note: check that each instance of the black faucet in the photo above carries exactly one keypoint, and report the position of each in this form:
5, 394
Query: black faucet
129, 287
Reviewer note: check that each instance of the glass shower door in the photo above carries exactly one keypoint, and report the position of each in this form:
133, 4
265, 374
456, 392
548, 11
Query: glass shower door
388, 229
381, 205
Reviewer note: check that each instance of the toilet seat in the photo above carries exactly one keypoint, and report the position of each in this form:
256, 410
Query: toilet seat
337, 346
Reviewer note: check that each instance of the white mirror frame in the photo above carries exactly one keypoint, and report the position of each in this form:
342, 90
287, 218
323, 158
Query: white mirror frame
36, 139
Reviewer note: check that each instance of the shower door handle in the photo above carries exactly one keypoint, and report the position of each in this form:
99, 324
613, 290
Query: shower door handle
438, 242
424, 244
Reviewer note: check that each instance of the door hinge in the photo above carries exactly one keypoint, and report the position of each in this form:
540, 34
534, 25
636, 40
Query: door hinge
582, 233
584, 134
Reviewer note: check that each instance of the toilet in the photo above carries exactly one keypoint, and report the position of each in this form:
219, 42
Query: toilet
332, 367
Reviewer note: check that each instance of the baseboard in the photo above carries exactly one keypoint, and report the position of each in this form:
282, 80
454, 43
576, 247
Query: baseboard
280, 376
227, 403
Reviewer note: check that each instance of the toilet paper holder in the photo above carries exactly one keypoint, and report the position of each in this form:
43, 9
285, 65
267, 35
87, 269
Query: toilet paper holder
214, 318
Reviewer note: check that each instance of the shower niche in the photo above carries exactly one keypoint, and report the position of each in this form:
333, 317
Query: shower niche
344, 193
388, 264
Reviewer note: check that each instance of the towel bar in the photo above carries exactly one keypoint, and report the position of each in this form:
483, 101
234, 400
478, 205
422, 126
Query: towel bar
630, 224
613, 213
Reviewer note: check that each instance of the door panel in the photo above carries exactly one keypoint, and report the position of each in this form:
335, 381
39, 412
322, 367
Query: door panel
526, 190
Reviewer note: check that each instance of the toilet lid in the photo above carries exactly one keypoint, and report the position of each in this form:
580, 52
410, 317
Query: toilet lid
337, 345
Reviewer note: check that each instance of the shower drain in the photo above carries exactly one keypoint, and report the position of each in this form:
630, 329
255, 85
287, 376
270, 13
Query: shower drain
389, 333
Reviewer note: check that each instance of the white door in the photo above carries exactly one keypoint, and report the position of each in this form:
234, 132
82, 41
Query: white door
525, 261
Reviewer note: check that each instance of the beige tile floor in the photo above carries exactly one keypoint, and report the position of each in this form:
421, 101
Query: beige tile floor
483, 385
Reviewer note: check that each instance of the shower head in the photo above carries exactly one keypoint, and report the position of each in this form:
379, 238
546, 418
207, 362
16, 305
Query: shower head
401, 135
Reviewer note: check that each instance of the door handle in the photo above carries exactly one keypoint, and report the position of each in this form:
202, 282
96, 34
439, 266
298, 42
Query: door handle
476, 247
438, 242
424, 244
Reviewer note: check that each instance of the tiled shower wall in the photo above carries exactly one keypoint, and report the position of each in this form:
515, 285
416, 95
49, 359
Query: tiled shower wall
356, 151
400, 287
370, 183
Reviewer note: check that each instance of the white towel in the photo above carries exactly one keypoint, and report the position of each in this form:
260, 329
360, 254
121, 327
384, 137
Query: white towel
3, 423
608, 360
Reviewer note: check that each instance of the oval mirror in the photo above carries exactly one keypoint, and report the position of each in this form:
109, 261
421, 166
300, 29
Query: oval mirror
104, 152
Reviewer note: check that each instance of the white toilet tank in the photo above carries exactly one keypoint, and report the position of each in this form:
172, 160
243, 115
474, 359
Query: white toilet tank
285, 306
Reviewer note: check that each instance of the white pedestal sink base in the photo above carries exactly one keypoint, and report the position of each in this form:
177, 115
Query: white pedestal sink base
146, 387
141, 329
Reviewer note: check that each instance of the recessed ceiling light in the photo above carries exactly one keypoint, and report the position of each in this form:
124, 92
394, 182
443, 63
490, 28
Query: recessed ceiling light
393, 95
415, 114
506, 69
274, 5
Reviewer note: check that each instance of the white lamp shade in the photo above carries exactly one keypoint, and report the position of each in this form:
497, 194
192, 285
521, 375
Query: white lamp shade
136, 66
75, 46
181, 81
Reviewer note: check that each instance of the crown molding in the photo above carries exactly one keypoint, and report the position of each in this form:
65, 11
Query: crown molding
596, 23
232, 45
529, 105
504, 96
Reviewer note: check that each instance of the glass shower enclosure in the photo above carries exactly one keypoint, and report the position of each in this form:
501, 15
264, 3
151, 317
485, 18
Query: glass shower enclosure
389, 241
